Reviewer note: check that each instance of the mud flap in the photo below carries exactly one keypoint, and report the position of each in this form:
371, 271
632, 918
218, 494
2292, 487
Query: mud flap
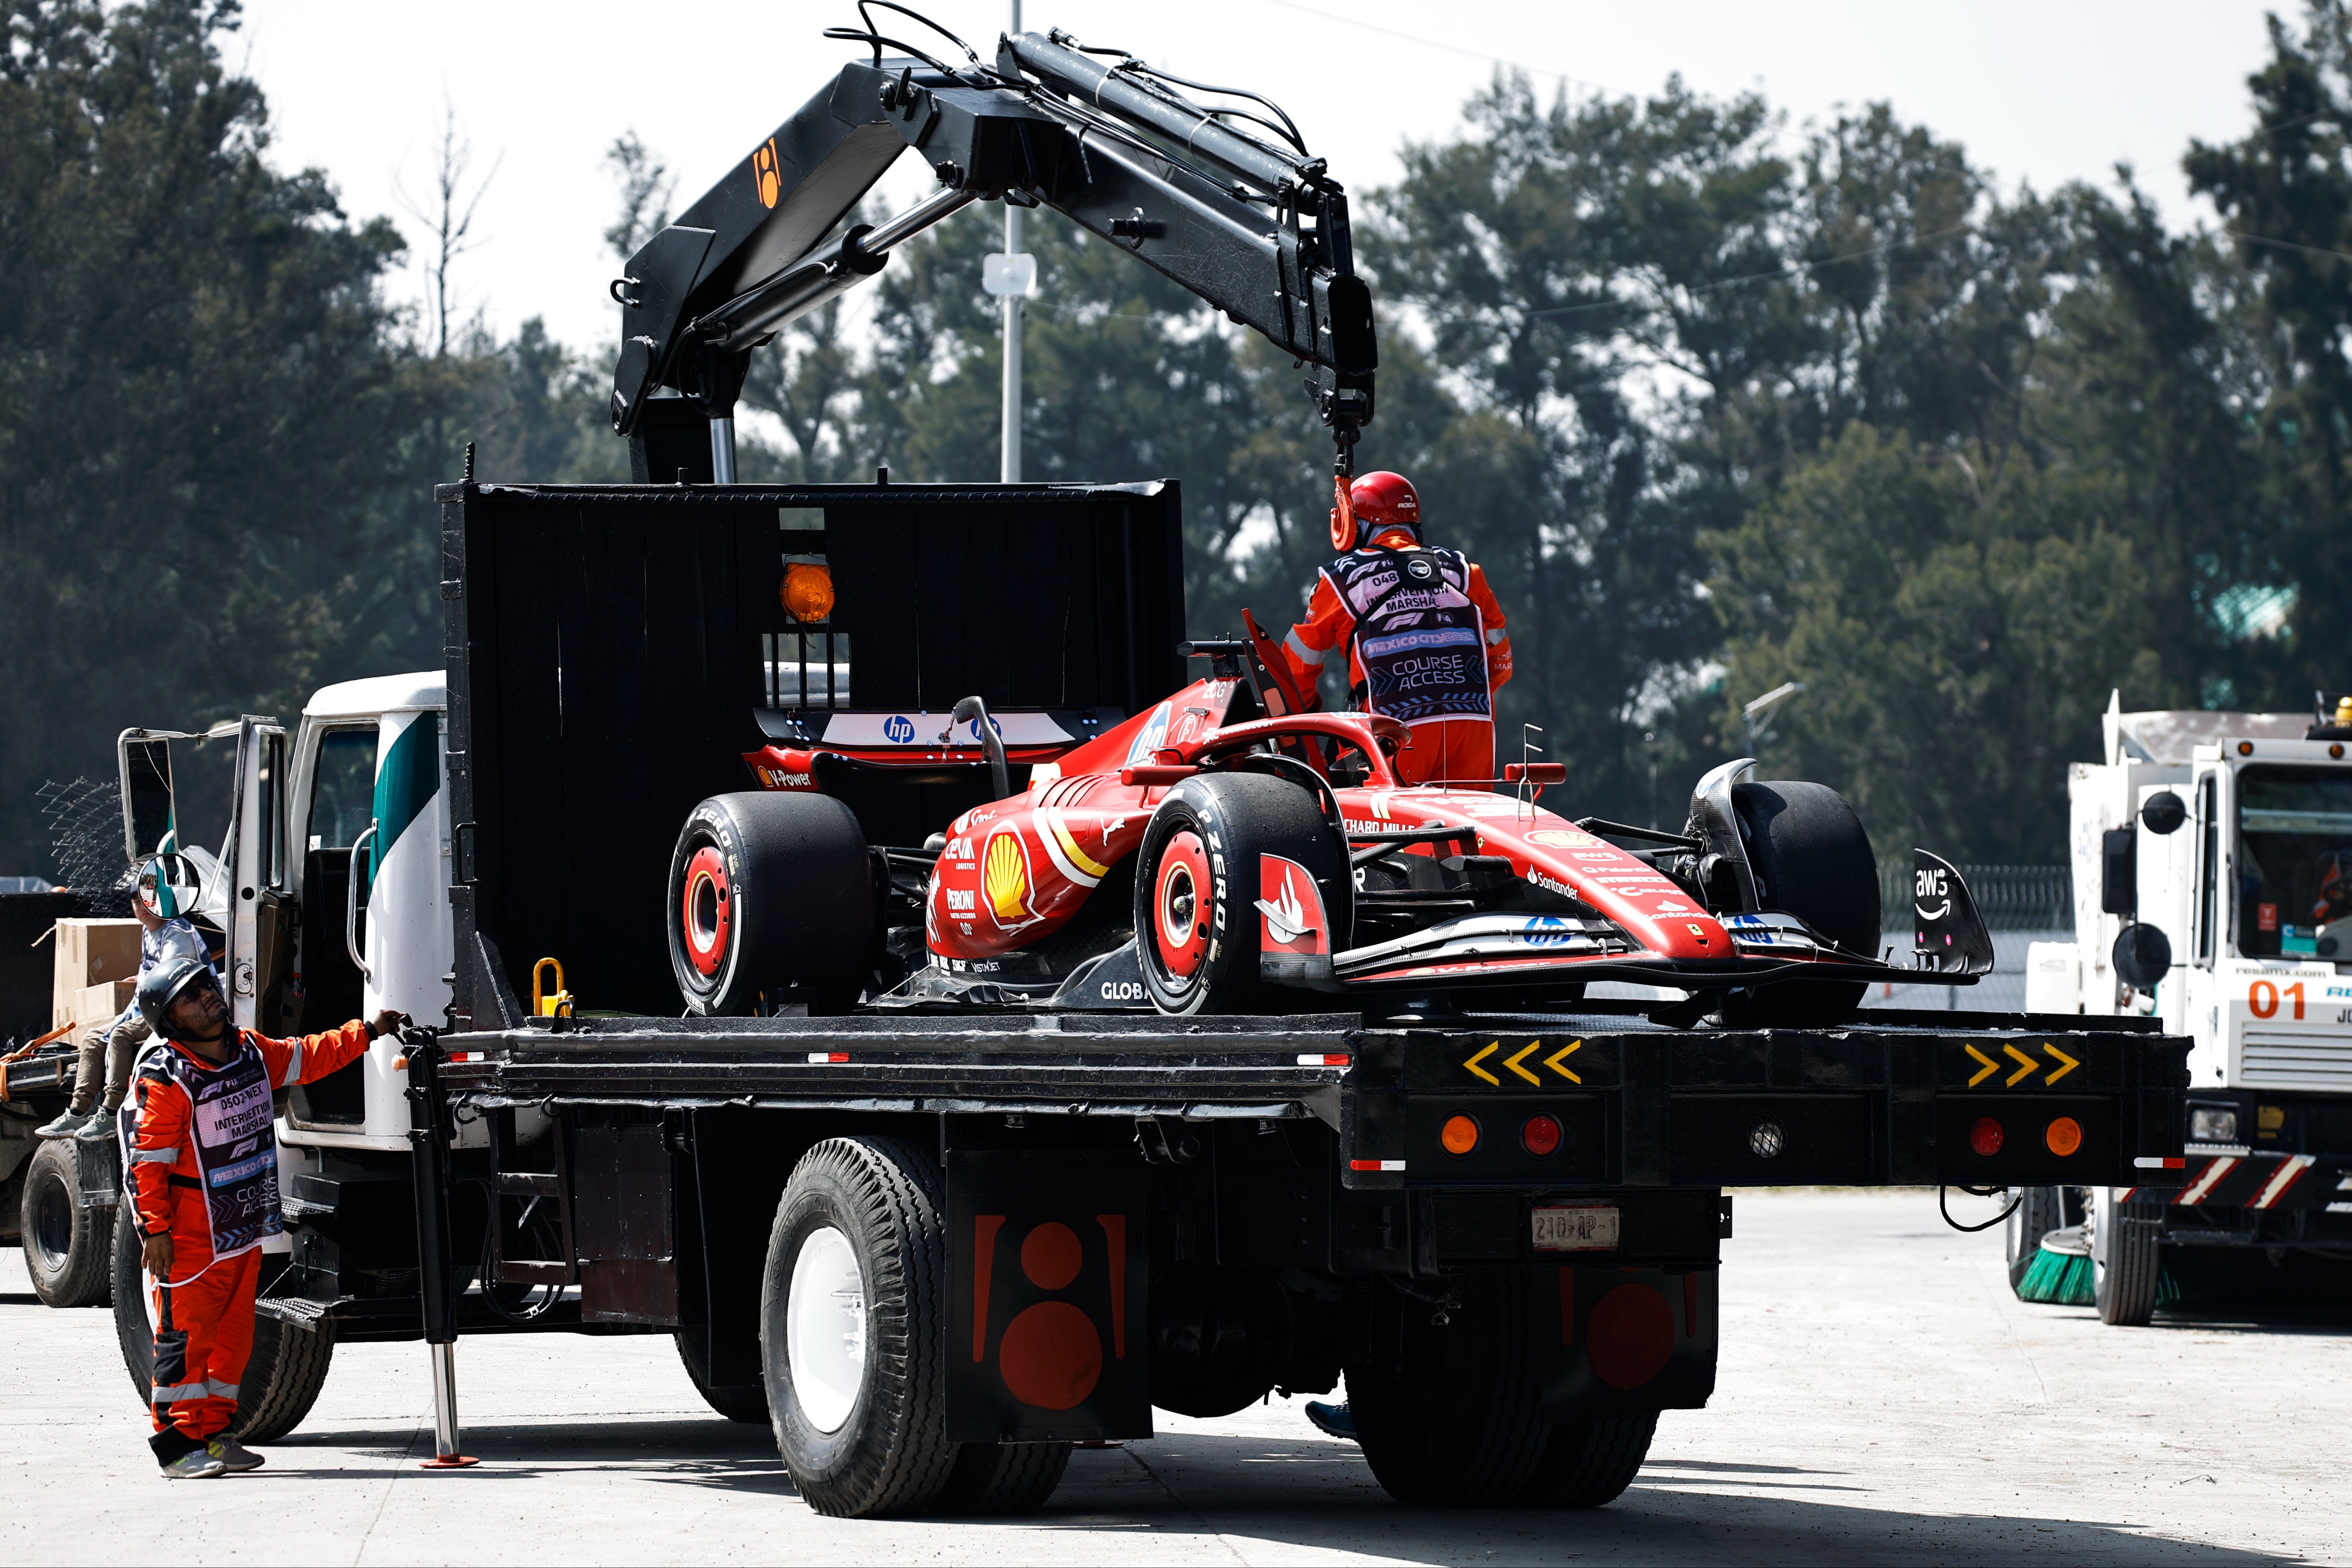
1616, 1342
1047, 1320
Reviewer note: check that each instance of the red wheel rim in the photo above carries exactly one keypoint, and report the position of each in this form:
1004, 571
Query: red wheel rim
707, 912
1181, 910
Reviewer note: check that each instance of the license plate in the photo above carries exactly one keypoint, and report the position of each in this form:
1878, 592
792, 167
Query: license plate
1583, 1227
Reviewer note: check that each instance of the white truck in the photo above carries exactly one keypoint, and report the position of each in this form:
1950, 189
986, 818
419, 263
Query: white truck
2212, 856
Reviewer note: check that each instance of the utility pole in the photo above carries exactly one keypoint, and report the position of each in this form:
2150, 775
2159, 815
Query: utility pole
1015, 288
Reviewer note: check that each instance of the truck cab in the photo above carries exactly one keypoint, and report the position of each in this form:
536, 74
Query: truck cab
2212, 858
333, 883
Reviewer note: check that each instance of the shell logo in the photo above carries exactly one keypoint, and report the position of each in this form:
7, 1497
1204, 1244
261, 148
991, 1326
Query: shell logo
1005, 877
765, 177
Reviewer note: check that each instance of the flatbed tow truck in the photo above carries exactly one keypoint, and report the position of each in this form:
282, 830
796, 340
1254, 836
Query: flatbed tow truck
935, 1245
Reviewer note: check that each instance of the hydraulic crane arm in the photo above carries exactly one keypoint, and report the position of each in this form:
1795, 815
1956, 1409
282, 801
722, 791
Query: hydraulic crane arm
1251, 225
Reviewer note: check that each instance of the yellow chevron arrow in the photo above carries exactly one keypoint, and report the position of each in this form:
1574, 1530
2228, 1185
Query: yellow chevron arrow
1513, 1061
1479, 1072
1990, 1068
2056, 1073
1552, 1061
2028, 1065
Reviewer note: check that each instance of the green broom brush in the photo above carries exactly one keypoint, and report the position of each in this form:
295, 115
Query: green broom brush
2060, 1274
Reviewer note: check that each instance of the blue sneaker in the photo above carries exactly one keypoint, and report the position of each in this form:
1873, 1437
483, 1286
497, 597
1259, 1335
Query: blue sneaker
1334, 1420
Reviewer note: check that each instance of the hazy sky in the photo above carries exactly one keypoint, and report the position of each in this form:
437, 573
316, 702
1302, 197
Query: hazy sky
2039, 90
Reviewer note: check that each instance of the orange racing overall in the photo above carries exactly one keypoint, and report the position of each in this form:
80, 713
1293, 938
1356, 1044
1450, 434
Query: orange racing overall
201, 1153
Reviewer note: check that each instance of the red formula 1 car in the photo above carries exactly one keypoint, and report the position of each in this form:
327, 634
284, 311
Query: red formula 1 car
1225, 853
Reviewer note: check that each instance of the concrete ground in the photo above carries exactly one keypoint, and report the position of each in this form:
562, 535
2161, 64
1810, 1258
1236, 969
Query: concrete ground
1883, 1399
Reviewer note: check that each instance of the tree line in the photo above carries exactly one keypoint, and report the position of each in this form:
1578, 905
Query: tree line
1720, 403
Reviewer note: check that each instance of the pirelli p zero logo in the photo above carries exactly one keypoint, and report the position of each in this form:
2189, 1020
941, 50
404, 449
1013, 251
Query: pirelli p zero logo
766, 178
2015, 1067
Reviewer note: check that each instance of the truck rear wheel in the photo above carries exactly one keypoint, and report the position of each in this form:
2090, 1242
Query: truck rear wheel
1004, 1477
1587, 1463
282, 1377
767, 891
1196, 889
2127, 1258
2040, 1210
68, 1250
737, 1402
1812, 860
1448, 1418
853, 1332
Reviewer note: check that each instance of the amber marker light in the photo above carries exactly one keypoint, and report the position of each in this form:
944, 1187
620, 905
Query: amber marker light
2063, 1135
807, 592
1459, 1136
1986, 1137
2245, 748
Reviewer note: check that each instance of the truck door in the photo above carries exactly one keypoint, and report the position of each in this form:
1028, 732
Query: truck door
261, 908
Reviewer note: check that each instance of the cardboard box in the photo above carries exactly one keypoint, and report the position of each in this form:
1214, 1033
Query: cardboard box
94, 1004
90, 953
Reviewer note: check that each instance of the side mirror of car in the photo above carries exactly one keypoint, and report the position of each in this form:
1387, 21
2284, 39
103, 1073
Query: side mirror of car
2143, 955
2163, 814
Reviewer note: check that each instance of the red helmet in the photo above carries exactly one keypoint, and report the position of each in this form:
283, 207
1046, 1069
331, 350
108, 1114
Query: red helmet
1385, 500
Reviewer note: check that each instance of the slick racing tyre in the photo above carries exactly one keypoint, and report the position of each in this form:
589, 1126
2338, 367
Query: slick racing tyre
1812, 860
853, 1330
767, 891
1197, 889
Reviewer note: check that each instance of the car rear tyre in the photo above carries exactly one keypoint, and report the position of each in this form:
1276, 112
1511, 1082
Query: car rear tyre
1004, 1477
283, 1376
767, 891
1589, 1463
1812, 860
853, 1330
68, 1250
2127, 1258
1449, 1418
1196, 889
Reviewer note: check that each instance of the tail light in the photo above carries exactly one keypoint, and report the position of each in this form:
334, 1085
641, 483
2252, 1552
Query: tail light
1459, 1136
1540, 1135
1986, 1137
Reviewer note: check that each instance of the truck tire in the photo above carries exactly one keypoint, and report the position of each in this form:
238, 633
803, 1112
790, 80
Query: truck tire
2127, 1258
68, 1250
852, 1328
282, 1377
1587, 1463
1448, 1418
1812, 860
767, 891
1004, 1477
1196, 889
2039, 1212
737, 1402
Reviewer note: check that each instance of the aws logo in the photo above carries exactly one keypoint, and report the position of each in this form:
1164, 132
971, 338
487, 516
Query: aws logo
766, 178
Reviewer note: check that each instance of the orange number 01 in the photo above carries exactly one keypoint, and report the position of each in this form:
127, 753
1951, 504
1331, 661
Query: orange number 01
2262, 998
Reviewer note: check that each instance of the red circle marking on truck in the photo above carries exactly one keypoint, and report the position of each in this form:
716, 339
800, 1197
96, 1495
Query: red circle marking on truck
1179, 924
1051, 1256
1630, 1335
1051, 1355
705, 916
